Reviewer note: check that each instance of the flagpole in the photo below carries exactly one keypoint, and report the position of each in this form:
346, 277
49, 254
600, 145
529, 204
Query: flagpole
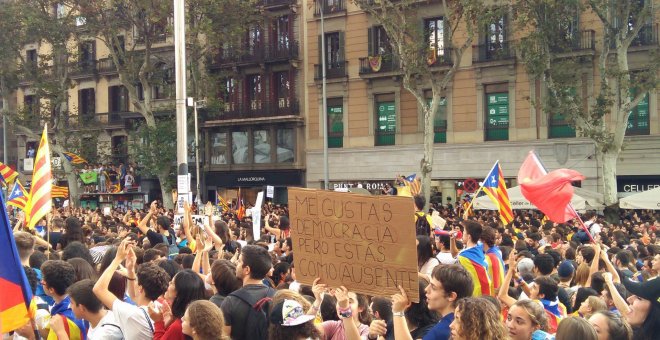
478, 191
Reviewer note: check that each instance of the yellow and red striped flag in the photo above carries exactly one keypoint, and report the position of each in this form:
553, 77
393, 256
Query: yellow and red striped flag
60, 191
7, 174
40, 201
414, 183
495, 187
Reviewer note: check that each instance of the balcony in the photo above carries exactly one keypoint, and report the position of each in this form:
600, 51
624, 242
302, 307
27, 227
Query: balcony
329, 7
581, 41
256, 54
280, 52
444, 59
106, 66
333, 70
277, 3
261, 109
379, 64
84, 68
492, 52
33, 73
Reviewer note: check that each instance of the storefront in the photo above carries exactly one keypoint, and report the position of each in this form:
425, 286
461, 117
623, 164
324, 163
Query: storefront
630, 185
227, 184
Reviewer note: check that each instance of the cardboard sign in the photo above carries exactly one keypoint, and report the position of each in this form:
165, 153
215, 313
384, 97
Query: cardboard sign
366, 243
200, 220
178, 220
256, 216
270, 191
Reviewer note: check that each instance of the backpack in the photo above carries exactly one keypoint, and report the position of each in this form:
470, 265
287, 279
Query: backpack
422, 225
258, 316
173, 248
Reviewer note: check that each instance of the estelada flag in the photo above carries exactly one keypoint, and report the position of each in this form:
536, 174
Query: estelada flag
495, 187
16, 293
18, 196
7, 174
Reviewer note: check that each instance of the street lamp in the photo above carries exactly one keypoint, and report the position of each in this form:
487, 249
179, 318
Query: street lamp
326, 171
195, 105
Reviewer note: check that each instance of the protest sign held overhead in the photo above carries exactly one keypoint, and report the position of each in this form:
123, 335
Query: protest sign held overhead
366, 243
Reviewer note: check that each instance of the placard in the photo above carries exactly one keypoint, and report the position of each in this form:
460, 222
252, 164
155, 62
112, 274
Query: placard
366, 243
199, 220
256, 216
183, 183
178, 220
270, 191
187, 197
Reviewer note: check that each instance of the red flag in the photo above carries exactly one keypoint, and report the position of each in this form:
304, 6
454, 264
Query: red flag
531, 169
552, 193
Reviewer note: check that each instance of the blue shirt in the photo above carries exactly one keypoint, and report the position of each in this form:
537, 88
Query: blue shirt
40, 289
441, 330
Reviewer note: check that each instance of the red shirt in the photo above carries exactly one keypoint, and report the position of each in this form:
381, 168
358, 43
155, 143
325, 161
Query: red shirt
174, 331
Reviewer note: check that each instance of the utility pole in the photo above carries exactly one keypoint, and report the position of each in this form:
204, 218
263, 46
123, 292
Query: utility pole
197, 104
181, 93
326, 171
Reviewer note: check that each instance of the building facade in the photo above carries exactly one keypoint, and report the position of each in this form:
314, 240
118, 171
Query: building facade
489, 112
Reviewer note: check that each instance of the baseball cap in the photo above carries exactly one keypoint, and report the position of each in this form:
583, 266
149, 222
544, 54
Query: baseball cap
289, 313
565, 269
525, 266
648, 290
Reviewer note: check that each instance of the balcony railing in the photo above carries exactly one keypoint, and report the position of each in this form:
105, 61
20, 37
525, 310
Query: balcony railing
329, 7
255, 54
445, 58
379, 64
262, 109
333, 70
580, 41
285, 51
106, 65
492, 52
84, 68
274, 3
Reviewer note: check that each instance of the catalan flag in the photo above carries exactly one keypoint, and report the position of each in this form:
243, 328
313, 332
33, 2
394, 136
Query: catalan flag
221, 202
495, 188
414, 183
474, 261
40, 200
16, 293
495, 266
18, 197
60, 191
7, 174
73, 158
240, 208
555, 312
76, 329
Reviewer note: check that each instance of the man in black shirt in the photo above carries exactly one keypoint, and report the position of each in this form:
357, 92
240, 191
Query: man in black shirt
56, 225
163, 233
254, 263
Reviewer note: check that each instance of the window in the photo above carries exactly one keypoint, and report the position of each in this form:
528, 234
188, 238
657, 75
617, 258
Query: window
119, 149
282, 89
379, 42
219, 148
31, 104
496, 33
638, 121
163, 79
434, 30
31, 59
335, 108
239, 147
285, 145
261, 140
282, 33
333, 52
497, 114
558, 123
254, 92
87, 54
385, 119
231, 94
253, 40
86, 104
118, 99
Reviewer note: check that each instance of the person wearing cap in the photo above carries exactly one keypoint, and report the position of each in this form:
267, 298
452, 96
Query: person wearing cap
643, 308
288, 321
566, 271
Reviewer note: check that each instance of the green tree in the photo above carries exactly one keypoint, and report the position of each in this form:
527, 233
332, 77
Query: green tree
401, 21
545, 51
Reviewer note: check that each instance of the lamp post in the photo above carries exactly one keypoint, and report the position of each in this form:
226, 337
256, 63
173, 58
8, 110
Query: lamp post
180, 75
195, 105
326, 171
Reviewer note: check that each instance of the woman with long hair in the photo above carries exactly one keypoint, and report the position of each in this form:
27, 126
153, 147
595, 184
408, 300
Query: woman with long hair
72, 232
476, 318
611, 326
83, 269
425, 259
185, 287
524, 318
203, 320
574, 327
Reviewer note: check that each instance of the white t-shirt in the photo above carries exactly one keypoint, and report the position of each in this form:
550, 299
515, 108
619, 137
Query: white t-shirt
427, 268
106, 329
445, 258
134, 321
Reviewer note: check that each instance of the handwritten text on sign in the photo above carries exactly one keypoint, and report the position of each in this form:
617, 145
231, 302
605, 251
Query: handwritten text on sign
366, 243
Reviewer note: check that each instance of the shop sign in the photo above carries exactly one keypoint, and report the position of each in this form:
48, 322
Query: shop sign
368, 185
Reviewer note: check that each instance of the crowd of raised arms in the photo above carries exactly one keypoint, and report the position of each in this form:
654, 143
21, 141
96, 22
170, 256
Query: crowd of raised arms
135, 275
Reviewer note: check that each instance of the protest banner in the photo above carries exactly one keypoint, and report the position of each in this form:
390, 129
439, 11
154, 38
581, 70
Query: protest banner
88, 177
365, 243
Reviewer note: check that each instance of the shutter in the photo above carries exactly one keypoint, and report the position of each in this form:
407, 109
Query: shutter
370, 42
91, 103
111, 102
342, 55
81, 101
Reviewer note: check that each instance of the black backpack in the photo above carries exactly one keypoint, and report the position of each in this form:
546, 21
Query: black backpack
422, 226
258, 316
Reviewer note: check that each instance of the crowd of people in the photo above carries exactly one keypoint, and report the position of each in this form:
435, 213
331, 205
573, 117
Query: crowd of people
135, 275
110, 178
